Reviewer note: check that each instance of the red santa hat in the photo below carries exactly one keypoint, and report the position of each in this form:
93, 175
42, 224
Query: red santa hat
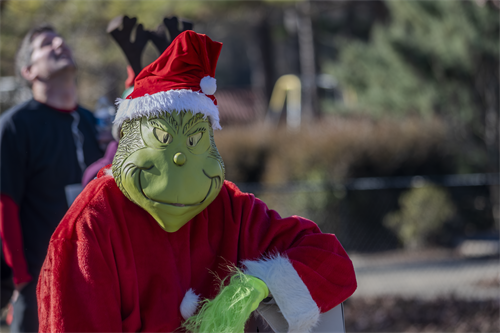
182, 78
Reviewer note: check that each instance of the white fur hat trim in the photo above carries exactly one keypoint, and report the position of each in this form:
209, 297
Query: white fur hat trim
167, 101
208, 85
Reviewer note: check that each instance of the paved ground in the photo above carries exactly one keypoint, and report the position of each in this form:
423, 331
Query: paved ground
427, 274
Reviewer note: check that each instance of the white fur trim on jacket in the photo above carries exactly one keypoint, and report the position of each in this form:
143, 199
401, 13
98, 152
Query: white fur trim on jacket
108, 172
189, 304
167, 101
288, 290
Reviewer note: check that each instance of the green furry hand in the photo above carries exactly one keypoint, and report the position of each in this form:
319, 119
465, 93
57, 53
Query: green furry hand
230, 310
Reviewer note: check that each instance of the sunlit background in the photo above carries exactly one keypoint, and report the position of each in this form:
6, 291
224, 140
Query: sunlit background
379, 120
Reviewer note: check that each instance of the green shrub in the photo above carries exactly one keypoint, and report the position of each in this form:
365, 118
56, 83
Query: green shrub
423, 212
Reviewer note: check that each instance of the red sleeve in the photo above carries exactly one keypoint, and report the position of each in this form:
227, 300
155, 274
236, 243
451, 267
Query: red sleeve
307, 272
12, 239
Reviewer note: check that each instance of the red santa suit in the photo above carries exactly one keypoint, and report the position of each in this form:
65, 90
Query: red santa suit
110, 267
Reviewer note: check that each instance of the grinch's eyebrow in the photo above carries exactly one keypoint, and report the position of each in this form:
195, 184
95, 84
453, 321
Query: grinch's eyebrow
169, 119
196, 119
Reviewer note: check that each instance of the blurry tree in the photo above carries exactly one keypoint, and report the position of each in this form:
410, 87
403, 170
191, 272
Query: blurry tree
2, 4
433, 58
424, 210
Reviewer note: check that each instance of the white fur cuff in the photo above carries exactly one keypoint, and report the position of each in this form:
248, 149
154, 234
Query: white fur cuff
189, 304
289, 291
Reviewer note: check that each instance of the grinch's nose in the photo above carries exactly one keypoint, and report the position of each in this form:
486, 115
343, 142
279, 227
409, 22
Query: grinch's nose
179, 159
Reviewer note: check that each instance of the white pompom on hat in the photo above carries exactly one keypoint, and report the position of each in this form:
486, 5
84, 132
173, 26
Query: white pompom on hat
208, 85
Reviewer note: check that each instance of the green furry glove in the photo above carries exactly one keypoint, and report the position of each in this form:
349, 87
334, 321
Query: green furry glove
229, 311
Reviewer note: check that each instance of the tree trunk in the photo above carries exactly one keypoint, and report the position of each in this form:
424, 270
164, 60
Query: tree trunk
307, 61
261, 55
488, 88
2, 5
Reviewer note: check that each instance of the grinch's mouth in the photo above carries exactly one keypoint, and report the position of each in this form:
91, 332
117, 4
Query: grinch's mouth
214, 180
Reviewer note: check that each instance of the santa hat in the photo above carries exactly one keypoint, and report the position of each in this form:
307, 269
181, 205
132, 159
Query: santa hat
182, 78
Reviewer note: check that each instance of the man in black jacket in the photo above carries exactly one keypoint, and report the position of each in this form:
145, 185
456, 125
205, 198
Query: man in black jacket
45, 145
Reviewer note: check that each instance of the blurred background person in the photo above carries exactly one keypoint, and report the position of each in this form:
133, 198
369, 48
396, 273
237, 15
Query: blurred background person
45, 145
91, 172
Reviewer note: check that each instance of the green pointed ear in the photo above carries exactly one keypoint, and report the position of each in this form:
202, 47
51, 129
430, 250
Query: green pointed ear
169, 166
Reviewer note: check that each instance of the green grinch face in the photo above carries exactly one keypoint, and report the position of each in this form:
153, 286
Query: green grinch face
169, 166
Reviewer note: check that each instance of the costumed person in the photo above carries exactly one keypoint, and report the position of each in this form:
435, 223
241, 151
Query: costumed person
45, 145
161, 242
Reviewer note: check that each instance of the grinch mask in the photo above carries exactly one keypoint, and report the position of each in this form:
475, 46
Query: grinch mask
169, 165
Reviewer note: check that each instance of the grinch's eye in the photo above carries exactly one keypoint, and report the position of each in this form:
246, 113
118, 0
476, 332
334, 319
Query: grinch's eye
194, 139
162, 136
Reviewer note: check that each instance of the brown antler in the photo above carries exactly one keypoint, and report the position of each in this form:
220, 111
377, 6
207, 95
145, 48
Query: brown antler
133, 50
121, 27
159, 37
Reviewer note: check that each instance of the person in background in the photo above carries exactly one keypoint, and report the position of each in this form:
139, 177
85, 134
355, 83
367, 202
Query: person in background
45, 145
92, 170
114, 132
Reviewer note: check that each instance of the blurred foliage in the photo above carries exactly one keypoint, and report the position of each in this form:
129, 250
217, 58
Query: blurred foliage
430, 58
423, 60
335, 149
424, 210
